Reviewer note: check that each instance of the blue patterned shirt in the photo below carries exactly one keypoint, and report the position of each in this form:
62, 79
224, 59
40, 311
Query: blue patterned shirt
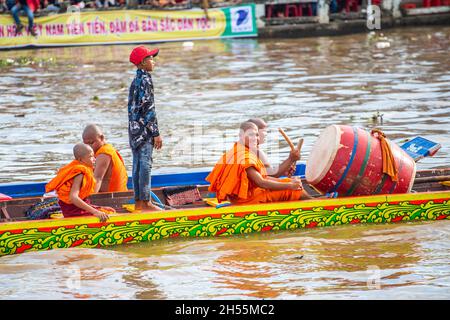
142, 122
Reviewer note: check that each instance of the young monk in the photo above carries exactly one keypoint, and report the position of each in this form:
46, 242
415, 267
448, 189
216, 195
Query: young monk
241, 177
287, 167
110, 173
75, 182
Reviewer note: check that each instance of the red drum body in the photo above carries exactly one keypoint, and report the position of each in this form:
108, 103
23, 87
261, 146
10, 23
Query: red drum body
349, 160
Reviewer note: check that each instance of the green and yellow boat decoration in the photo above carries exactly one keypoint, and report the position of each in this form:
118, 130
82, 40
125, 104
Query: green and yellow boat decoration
430, 201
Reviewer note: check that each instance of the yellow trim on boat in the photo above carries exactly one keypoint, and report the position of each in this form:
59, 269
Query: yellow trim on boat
129, 217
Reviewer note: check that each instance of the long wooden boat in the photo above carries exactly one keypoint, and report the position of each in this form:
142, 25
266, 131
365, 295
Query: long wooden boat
429, 200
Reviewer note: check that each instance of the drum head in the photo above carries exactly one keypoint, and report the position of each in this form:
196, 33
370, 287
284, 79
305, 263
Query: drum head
322, 154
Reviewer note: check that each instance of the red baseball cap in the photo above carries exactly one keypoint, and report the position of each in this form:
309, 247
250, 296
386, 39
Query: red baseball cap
140, 53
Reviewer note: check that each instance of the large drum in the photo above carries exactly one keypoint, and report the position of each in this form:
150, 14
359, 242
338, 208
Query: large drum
349, 160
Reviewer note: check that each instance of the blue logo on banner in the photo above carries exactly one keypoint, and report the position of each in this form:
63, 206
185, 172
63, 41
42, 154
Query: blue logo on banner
243, 17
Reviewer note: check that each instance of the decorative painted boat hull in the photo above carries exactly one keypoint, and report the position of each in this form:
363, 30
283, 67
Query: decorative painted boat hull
25, 236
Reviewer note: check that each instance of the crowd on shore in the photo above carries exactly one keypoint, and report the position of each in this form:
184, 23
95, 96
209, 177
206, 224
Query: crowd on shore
60, 6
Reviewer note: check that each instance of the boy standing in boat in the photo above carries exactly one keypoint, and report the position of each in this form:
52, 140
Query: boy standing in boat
143, 126
110, 173
75, 182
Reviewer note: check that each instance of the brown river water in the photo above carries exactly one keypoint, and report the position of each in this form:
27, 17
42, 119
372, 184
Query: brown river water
203, 90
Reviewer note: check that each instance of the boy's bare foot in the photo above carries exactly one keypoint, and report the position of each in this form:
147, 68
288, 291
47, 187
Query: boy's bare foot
149, 206
144, 206
138, 204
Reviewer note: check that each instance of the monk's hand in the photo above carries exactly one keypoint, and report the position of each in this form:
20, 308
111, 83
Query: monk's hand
157, 141
110, 209
294, 155
103, 216
296, 184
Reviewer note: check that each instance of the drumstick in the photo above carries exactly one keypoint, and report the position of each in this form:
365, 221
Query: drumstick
300, 144
288, 140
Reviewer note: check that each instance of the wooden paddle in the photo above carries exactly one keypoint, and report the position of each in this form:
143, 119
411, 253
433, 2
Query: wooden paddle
432, 179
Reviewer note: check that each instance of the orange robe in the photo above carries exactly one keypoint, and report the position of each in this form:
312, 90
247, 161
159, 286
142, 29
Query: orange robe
119, 176
63, 181
229, 179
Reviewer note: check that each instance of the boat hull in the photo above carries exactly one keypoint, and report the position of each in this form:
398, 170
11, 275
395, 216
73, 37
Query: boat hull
88, 232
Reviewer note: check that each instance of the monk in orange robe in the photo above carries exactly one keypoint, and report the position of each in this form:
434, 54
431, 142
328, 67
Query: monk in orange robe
75, 182
287, 167
241, 177
110, 172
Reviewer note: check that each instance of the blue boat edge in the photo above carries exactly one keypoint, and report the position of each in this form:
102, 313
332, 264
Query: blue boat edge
36, 189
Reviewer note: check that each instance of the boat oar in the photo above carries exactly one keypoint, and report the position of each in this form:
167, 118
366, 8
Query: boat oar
432, 179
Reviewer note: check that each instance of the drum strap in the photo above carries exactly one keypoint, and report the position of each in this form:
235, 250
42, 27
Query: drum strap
389, 165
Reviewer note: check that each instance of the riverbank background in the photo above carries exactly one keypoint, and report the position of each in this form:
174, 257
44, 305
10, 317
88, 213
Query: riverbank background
204, 89
277, 18
398, 81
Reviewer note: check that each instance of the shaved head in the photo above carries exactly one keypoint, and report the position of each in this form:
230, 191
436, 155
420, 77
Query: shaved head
92, 131
248, 135
247, 125
80, 150
260, 123
93, 136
